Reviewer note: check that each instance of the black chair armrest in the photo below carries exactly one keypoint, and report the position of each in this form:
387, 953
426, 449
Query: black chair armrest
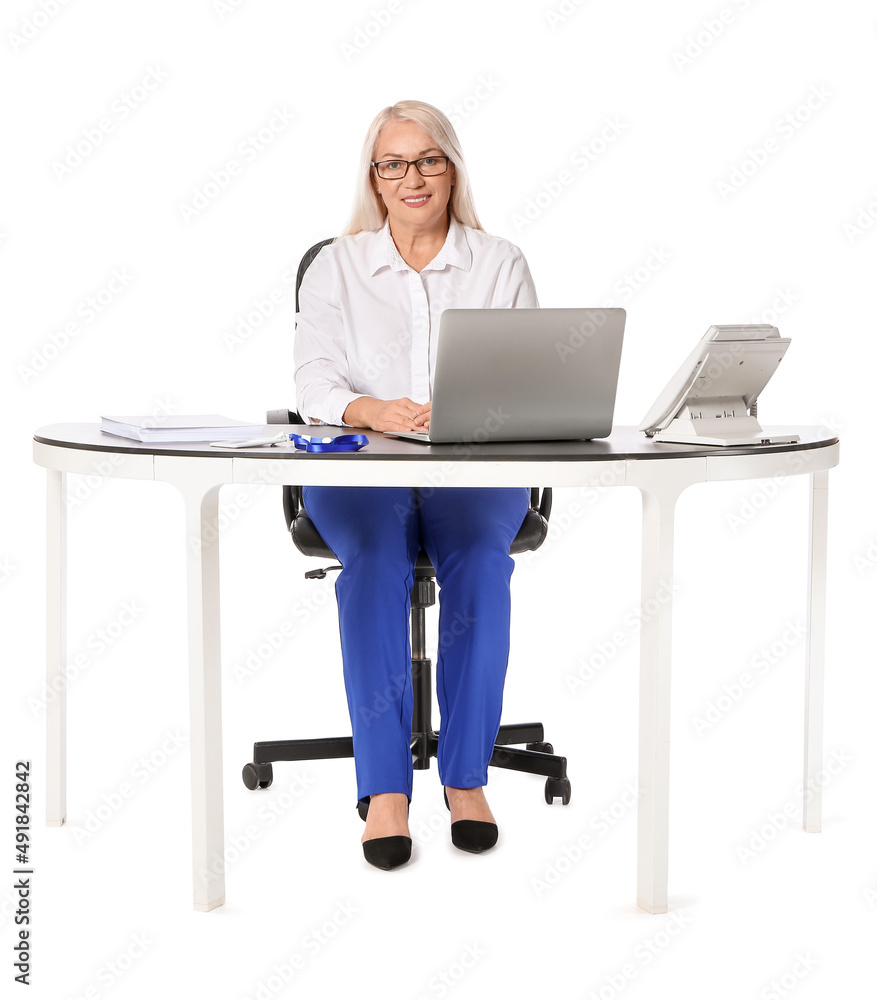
291, 494
545, 505
283, 417
292, 499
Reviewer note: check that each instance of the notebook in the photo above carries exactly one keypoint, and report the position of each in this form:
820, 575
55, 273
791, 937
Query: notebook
167, 429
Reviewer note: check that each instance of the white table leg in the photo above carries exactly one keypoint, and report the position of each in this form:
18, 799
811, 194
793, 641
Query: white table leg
653, 816
56, 648
660, 488
205, 697
815, 668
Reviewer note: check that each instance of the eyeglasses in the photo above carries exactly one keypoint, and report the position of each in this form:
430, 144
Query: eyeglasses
427, 166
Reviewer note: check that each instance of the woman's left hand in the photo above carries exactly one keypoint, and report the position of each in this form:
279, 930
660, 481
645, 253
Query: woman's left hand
421, 416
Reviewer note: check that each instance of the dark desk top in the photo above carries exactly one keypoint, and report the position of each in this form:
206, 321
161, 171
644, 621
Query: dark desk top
625, 443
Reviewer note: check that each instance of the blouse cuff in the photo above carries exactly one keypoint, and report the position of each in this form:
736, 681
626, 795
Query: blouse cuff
334, 406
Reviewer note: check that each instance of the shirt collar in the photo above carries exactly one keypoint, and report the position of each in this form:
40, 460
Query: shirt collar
383, 252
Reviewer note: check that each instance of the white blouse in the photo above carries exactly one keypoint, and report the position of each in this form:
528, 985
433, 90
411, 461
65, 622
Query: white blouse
368, 323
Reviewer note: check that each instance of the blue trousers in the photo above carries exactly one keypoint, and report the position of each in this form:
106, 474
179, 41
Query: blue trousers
376, 533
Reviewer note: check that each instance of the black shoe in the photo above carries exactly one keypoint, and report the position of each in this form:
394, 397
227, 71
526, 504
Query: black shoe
384, 852
473, 835
387, 852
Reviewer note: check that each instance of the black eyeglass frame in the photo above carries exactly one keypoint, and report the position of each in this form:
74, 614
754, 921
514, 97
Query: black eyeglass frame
436, 156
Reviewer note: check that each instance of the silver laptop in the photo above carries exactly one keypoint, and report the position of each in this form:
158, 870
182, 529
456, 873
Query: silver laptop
524, 375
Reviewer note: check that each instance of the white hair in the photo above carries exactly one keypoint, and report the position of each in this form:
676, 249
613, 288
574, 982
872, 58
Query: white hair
369, 211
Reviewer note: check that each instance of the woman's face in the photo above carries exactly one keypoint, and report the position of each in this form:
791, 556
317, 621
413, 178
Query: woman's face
414, 202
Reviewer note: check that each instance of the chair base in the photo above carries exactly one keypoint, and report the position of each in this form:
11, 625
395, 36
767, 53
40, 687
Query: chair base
538, 757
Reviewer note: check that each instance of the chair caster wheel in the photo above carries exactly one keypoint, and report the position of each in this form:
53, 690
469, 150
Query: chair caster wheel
541, 747
362, 809
257, 775
557, 787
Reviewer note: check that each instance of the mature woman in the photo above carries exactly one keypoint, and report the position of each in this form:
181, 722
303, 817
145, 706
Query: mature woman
365, 349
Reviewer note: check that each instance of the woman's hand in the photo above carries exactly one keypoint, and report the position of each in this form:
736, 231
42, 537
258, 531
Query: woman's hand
388, 414
421, 418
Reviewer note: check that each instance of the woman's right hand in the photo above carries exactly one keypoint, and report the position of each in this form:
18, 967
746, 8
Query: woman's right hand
385, 414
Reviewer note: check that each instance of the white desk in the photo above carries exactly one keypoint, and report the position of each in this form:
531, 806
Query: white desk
660, 471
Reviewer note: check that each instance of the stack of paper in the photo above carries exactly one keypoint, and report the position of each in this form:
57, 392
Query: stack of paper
153, 430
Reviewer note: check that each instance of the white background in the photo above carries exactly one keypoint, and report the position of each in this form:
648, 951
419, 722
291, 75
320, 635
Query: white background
723, 198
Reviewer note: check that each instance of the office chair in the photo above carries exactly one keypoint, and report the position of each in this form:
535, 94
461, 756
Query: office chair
538, 757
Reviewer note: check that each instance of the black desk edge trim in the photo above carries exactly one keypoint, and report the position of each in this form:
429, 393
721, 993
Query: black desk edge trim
697, 451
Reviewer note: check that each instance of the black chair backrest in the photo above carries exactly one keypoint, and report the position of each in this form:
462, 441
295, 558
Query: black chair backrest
306, 262
292, 504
